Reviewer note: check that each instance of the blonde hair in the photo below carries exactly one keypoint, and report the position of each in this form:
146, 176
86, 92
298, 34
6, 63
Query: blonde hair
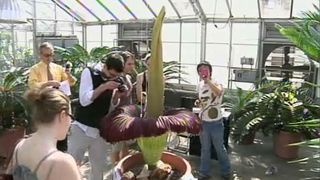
46, 45
46, 104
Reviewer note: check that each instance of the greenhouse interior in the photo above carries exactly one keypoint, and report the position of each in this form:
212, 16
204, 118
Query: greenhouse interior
159, 89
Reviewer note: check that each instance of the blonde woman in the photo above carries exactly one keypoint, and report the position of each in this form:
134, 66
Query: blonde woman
37, 156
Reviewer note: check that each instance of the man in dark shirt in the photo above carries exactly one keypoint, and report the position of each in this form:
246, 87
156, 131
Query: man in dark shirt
98, 91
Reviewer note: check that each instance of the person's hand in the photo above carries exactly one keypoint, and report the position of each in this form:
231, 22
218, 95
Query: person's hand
110, 85
67, 71
53, 83
206, 79
197, 103
120, 93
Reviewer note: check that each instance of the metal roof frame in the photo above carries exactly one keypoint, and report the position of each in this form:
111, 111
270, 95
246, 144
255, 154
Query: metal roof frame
229, 8
107, 9
175, 9
128, 9
291, 8
259, 8
196, 5
68, 9
89, 10
149, 7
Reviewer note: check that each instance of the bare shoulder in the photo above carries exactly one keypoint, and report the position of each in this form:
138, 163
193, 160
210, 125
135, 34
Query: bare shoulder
64, 167
63, 158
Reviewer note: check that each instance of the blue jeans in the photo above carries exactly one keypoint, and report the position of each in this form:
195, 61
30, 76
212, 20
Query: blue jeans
212, 132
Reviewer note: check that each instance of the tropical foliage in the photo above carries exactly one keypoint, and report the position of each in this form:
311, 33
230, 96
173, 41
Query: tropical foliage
273, 107
306, 35
80, 58
150, 127
9, 57
311, 143
13, 108
241, 104
172, 70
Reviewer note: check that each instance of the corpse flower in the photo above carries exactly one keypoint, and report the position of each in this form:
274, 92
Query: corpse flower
151, 129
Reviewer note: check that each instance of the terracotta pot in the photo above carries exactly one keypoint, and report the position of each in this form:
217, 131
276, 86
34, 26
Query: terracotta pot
248, 139
175, 161
281, 142
8, 140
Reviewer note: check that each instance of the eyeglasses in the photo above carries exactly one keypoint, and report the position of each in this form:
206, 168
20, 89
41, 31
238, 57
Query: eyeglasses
48, 55
72, 117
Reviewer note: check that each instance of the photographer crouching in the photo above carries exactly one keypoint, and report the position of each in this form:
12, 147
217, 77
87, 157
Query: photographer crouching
100, 88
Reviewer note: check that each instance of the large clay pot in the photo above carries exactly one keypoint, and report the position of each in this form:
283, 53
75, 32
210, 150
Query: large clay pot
281, 142
175, 161
8, 140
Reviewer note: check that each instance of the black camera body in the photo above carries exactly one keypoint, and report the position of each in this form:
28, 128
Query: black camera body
120, 79
122, 87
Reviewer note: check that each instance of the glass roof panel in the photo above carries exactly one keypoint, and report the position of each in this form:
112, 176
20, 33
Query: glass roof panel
243, 11
61, 14
275, 8
77, 8
45, 10
27, 7
184, 7
117, 9
98, 10
156, 5
217, 8
139, 9
300, 6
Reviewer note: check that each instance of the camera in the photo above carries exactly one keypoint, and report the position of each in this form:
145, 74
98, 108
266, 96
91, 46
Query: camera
122, 87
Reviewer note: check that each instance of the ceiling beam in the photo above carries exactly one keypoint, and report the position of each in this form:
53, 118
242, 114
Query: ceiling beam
149, 7
128, 9
197, 9
66, 8
229, 8
90, 11
107, 9
291, 8
194, 20
175, 9
259, 8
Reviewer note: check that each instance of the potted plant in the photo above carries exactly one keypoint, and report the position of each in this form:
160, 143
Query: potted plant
277, 109
151, 128
13, 110
313, 143
242, 102
243, 107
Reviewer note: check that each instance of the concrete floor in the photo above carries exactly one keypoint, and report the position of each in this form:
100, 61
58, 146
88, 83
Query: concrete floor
250, 162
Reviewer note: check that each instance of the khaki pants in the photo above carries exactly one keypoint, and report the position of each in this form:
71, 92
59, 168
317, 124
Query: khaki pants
79, 143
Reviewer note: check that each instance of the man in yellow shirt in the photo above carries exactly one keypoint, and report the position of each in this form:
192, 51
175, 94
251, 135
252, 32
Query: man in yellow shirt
46, 73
